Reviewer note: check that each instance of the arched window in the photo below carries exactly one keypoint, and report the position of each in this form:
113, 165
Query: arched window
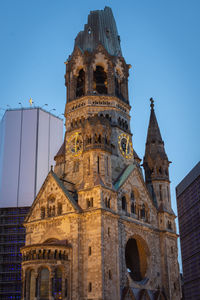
89, 287
118, 86
51, 206
132, 195
95, 138
133, 208
53, 211
66, 287
59, 209
169, 225
106, 140
57, 284
123, 203
80, 86
89, 202
107, 202
44, 284
168, 193
88, 166
98, 164
160, 190
100, 80
42, 212
31, 285
143, 212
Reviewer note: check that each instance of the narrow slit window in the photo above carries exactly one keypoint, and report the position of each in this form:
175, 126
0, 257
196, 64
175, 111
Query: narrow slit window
88, 166
90, 287
107, 166
89, 251
98, 165
109, 274
160, 189
124, 203
168, 193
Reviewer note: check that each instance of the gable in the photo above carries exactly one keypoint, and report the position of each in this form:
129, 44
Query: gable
131, 185
52, 200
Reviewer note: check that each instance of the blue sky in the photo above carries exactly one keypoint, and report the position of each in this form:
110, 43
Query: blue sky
160, 39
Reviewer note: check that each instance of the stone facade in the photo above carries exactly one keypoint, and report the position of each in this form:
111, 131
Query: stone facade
97, 229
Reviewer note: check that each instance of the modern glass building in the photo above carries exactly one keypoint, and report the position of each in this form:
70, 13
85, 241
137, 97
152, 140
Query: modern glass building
29, 140
188, 203
12, 235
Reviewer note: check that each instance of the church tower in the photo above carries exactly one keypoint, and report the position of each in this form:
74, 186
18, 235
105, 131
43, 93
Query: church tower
156, 165
96, 229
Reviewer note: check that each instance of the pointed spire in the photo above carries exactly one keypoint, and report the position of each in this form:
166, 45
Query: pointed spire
153, 134
155, 159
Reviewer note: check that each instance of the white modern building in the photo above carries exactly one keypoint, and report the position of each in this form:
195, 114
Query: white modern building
29, 140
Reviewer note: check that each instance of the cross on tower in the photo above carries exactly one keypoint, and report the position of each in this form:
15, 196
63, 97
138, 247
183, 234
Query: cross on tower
152, 103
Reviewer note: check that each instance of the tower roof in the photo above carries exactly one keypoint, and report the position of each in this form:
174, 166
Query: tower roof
154, 143
155, 161
153, 134
100, 29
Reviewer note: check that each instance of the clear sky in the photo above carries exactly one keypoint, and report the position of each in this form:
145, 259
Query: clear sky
160, 39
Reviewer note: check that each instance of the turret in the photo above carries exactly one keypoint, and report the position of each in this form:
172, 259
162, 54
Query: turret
156, 164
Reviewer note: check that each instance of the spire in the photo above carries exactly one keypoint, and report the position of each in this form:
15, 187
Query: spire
100, 29
153, 134
155, 160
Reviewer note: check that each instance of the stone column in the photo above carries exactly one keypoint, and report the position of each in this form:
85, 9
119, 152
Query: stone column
73, 82
128, 203
36, 285
89, 79
111, 80
51, 297
63, 286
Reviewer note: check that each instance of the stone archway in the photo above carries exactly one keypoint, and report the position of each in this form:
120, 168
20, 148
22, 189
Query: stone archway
136, 253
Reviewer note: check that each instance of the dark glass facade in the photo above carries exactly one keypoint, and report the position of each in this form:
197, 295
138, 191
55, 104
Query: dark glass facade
12, 238
188, 203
